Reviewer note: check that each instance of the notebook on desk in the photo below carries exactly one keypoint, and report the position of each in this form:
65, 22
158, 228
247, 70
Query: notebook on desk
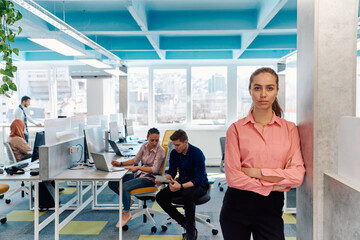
101, 164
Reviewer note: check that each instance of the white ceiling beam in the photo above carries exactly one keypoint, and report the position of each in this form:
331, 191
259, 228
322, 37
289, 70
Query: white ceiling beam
138, 12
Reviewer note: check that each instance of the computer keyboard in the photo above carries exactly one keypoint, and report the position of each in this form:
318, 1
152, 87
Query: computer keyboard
21, 165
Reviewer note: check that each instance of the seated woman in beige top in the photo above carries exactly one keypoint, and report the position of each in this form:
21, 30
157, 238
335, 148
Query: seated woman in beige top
17, 140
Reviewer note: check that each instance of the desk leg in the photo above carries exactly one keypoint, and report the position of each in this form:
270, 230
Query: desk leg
36, 210
120, 209
57, 211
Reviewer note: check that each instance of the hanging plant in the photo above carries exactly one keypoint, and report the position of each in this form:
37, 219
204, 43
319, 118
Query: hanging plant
8, 32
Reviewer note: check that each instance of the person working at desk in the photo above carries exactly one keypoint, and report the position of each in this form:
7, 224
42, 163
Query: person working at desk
22, 113
17, 140
262, 160
192, 184
151, 155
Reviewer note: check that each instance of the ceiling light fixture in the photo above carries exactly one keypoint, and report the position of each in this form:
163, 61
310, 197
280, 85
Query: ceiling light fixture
116, 72
94, 63
42, 13
57, 46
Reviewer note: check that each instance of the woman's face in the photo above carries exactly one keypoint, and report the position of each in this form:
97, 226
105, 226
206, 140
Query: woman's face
153, 140
263, 91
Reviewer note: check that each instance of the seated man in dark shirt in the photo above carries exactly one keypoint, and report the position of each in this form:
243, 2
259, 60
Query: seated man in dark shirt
191, 185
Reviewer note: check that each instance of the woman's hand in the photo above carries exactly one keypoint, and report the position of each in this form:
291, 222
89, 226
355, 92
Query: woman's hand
278, 188
252, 172
115, 163
133, 169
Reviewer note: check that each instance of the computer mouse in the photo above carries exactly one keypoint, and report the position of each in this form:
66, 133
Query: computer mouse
130, 148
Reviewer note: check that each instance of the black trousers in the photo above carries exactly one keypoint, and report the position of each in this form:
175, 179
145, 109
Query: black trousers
245, 212
189, 197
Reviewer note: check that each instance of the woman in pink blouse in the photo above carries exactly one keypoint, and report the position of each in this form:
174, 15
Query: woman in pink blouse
262, 160
152, 156
17, 140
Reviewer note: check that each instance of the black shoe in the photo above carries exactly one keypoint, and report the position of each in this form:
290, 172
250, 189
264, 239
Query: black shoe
61, 189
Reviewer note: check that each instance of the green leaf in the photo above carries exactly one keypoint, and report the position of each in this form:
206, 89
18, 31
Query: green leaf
7, 95
1, 91
13, 87
20, 30
8, 73
14, 68
16, 51
5, 78
18, 16
11, 37
5, 87
2, 71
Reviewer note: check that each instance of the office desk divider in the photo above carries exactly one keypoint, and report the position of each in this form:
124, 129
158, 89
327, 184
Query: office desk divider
56, 158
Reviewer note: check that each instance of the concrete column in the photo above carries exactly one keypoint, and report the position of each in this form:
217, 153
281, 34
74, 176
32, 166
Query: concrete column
282, 91
326, 59
100, 96
123, 96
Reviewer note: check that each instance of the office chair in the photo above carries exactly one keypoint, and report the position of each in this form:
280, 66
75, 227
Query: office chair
204, 219
144, 194
222, 145
3, 189
12, 159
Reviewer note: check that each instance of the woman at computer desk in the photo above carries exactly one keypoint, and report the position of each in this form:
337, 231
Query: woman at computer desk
151, 155
17, 140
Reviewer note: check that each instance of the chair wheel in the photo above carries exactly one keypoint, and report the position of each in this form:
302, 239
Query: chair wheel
214, 231
221, 189
208, 220
1, 196
153, 229
151, 214
219, 183
125, 228
8, 201
3, 220
163, 228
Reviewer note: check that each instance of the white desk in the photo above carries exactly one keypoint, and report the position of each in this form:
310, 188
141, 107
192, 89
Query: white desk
90, 174
35, 179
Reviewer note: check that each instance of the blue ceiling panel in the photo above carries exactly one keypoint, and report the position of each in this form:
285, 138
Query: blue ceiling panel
102, 21
199, 55
114, 43
46, 56
254, 54
274, 42
137, 55
203, 42
202, 20
284, 20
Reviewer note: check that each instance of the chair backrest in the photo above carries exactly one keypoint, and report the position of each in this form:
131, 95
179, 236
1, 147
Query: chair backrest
222, 145
10, 152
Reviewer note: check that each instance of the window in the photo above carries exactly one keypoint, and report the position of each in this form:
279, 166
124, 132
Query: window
244, 98
170, 96
35, 84
138, 95
209, 95
71, 94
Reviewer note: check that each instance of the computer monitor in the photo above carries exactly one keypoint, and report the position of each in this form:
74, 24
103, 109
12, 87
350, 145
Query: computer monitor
129, 128
94, 141
39, 141
114, 131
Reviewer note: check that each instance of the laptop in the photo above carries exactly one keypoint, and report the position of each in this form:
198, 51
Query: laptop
101, 164
115, 148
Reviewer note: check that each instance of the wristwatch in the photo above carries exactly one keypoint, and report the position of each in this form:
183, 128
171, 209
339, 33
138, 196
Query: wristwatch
121, 164
181, 186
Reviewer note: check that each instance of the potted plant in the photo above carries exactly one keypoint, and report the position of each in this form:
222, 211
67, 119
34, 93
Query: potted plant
9, 15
